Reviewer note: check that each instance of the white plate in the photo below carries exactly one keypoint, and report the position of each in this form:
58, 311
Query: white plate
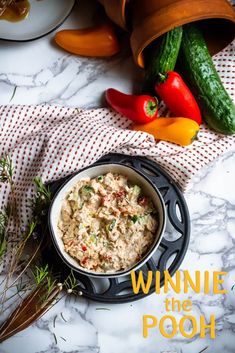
44, 16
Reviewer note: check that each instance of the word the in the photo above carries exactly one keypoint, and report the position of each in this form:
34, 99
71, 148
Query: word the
176, 305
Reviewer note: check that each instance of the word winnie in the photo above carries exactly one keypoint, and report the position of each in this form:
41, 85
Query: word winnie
179, 284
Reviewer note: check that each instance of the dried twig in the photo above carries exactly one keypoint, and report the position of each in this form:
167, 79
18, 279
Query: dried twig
43, 289
30, 310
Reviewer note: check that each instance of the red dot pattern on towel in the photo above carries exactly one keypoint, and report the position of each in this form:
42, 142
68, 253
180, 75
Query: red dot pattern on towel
53, 141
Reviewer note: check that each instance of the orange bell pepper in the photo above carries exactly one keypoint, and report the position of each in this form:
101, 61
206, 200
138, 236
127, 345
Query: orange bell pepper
181, 131
98, 41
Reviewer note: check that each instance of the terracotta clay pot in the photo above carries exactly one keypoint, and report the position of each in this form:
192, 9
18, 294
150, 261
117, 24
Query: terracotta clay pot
152, 18
115, 9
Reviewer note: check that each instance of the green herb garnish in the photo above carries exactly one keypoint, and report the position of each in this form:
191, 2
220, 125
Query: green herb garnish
136, 190
81, 226
135, 218
109, 246
93, 238
87, 188
112, 225
81, 205
100, 178
105, 267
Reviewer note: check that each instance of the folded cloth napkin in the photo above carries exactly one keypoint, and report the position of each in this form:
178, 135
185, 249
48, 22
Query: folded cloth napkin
53, 141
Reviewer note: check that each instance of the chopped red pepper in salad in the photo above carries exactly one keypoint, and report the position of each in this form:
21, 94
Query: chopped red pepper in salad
142, 200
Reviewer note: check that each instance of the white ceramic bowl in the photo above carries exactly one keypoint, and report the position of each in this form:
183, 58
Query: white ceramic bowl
135, 177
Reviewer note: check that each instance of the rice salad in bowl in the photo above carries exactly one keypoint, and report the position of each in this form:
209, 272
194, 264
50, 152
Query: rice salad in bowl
107, 223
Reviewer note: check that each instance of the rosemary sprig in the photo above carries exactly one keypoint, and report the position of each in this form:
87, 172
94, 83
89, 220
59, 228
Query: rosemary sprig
19, 264
6, 170
6, 177
3, 226
17, 267
51, 285
40, 284
40, 203
71, 283
30, 230
42, 191
3, 221
40, 273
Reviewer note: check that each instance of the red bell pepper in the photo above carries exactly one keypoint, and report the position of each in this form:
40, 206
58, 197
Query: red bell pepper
141, 109
177, 96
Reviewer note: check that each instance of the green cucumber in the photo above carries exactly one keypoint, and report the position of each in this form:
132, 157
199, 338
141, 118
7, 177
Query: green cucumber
161, 57
199, 71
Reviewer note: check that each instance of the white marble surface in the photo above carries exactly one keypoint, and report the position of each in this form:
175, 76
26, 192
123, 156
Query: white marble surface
39, 72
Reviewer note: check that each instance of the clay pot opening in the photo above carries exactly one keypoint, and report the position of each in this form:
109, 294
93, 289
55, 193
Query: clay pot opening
152, 18
218, 33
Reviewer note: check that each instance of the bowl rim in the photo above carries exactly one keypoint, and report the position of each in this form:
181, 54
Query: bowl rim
137, 265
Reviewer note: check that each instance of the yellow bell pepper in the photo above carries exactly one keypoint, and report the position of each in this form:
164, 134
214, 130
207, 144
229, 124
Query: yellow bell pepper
98, 41
181, 131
